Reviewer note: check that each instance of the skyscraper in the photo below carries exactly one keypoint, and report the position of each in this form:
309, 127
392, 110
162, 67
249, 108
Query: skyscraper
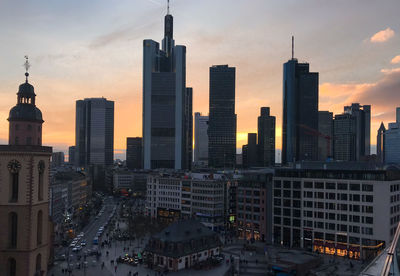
300, 112
362, 114
166, 103
391, 148
24, 182
249, 151
380, 143
71, 155
200, 138
325, 129
266, 138
134, 153
222, 118
94, 132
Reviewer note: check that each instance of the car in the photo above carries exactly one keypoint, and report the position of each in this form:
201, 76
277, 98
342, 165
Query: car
83, 243
75, 249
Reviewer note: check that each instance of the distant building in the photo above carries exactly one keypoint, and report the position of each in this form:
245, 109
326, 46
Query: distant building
266, 138
300, 112
325, 139
134, 153
167, 104
392, 141
57, 159
25, 246
222, 118
249, 151
200, 139
71, 155
94, 132
182, 245
351, 131
123, 180
380, 143
339, 211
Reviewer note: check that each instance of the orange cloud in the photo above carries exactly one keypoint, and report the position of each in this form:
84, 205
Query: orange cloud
395, 60
382, 36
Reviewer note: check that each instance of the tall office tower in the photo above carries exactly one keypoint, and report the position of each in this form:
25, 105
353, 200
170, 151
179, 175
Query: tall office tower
94, 133
325, 139
249, 151
266, 138
344, 137
222, 118
380, 143
300, 112
200, 139
392, 141
24, 181
165, 103
362, 115
134, 153
57, 159
188, 130
71, 155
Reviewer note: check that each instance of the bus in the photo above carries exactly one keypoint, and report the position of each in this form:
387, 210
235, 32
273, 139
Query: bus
96, 241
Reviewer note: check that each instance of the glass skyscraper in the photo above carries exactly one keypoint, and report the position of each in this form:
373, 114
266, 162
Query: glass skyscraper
266, 138
94, 133
167, 104
300, 112
222, 118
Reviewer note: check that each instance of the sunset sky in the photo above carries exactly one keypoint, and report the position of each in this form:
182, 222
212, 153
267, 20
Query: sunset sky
80, 49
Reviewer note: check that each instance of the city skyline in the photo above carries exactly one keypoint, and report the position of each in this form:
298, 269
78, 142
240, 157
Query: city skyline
102, 57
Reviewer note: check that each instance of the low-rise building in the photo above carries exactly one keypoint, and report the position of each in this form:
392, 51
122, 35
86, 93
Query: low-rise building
181, 245
345, 212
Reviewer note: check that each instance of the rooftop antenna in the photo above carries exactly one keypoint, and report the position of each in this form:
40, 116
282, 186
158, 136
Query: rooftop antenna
27, 65
167, 6
292, 47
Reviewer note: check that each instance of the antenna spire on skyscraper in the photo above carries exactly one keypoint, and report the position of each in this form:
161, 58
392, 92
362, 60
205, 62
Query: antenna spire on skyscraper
292, 46
167, 6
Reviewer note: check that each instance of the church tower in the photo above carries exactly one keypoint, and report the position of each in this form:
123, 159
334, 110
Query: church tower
24, 186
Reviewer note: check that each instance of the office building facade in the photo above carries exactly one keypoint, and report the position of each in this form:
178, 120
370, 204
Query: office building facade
249, 151
380, 143
167, 104
94, 134
300, 112
222, 118
134, 153
392, 141
200, 139
266, 138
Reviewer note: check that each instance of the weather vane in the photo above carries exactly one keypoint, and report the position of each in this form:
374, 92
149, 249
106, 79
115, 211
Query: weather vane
27, 65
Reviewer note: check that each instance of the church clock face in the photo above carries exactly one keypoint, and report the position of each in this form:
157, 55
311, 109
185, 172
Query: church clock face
14, 166
41, 166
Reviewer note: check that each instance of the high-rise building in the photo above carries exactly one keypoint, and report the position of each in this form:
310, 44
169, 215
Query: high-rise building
222, 118
266, 138
249, 151
188, 130
57, 159
325, 129
94, 132
166, 103
380, 143
24, 197
344, 137
134, 153
200, 138
71, 155
392, 141
351, 131
300, 112
362, 113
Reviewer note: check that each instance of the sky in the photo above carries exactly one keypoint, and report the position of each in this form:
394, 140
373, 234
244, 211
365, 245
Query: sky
81, 49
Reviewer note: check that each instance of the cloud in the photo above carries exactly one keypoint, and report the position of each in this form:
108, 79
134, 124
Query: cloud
395, 60
382, 36
390, 71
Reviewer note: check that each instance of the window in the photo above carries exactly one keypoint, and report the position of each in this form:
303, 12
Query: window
17, 127
342, 186
29, 127
29, 140
330, 186
308, 185
16, 140
367, 188
319, 185
12, 267
286, 193
354, 187
39, 264
12, 229
39, 227
41, 167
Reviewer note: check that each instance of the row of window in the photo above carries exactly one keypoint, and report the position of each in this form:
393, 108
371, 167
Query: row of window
334, 196
322, 185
